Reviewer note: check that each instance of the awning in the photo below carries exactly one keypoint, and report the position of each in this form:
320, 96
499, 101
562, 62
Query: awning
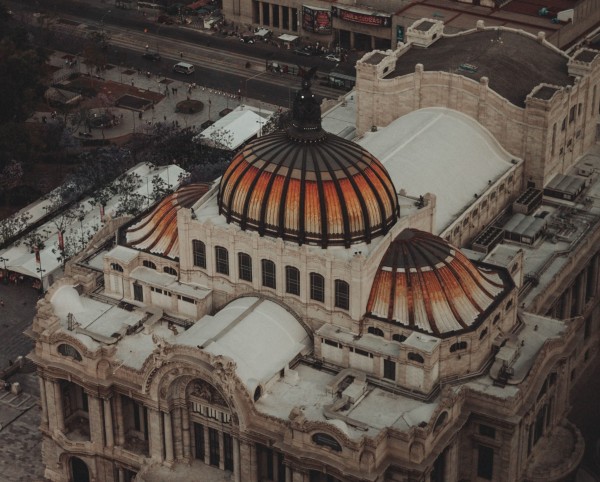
262, 32
287, 37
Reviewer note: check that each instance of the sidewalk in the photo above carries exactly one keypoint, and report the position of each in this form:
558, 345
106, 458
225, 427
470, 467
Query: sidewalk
161, 95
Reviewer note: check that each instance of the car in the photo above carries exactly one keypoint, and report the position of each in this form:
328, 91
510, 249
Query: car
303, 52
152, 56
333, 58
247, 40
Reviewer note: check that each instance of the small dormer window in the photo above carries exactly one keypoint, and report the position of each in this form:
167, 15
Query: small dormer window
415, 357
116, 267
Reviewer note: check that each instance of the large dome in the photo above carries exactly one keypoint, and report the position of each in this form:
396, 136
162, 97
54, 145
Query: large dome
306, 185
426, 284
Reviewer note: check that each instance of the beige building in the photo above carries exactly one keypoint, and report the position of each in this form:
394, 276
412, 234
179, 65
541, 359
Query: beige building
416, 305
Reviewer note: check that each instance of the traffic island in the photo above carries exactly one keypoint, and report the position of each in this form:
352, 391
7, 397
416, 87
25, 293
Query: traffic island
189, 107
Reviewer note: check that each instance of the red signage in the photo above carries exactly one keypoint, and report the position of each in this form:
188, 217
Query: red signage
362, 18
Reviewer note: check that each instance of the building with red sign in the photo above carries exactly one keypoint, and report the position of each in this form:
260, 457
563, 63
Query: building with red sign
379, 25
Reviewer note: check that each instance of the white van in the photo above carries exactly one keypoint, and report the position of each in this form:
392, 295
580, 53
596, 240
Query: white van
183, 68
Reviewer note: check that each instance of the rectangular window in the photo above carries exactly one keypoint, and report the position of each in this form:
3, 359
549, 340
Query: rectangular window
342, 294
292, 280
389, 370
213, 443
222, 256
358, 351
138, 292
228, 451
485, 462
317, 287
268, 274
199, 253
245, 266
331, 343
199, 441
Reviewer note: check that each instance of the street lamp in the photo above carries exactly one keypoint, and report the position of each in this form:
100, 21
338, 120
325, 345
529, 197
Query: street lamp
81, 218
41, 272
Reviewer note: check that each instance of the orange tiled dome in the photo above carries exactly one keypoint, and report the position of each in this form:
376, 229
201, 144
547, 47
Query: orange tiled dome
426, 284
308, 186
157, 231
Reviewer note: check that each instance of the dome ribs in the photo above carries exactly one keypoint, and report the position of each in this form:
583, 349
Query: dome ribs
268, 204
309, 187
427, 285
301, 201
157, 231
285, 191
358, 195
392, 299
323, 208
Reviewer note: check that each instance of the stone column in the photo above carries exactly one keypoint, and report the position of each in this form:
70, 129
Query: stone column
276, 467
44, 403
298, 476
290, 26
95, 420
248, 462
280, 17
155, 435
206, 445
261, 17
108, 423
185, 428
177, 433
120, 435
221, 451
121, 475
168, 423
59, 408
270, 14
288, 474
237, 477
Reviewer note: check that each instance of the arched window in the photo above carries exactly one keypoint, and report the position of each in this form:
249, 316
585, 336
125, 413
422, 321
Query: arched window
415, 357
268, 273
245, 266
222, 257
441, 420
342, 294
68, 350
483, 334
398, 337
169, 270
459, 345
257, 393
116, 267
292, 280
326, 440
375, 331
317, 287
199, 253
149, 264
496, 318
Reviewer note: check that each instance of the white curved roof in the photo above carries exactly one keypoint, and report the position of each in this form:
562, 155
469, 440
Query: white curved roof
440, 151
259, 335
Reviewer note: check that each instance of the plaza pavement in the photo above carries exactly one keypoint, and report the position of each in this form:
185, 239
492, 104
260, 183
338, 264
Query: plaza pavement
169, 90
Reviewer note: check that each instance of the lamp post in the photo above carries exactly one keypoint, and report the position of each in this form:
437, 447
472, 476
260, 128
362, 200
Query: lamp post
41, 272
81, 218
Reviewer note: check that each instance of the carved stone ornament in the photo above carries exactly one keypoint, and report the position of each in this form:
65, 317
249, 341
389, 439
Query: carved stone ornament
161, 351
205, 391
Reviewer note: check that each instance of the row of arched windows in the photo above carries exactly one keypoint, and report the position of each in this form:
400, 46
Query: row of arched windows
269, 274
166, 269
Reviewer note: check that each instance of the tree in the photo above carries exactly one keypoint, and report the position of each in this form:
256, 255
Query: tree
11, 227
130, 202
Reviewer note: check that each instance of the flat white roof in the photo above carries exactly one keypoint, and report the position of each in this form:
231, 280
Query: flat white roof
440, 151
232, 130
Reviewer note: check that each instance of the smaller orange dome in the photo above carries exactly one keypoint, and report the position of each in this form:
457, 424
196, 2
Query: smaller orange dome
157, 230
426, 284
